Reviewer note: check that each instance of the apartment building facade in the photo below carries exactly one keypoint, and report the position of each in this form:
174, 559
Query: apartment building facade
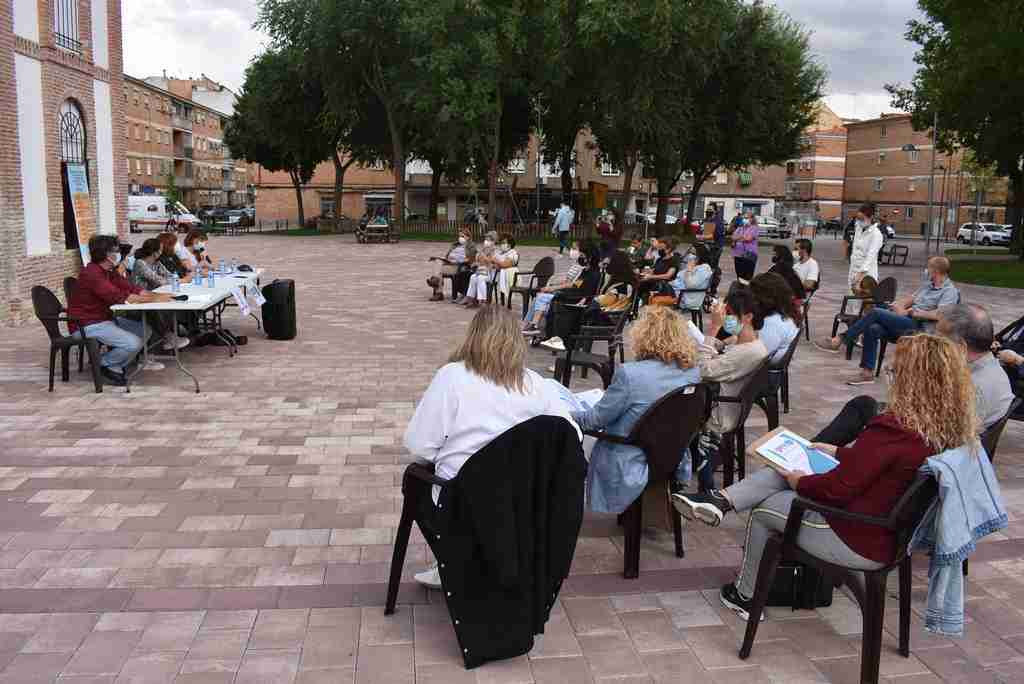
814, 181
172, 139
61, 107
889, 164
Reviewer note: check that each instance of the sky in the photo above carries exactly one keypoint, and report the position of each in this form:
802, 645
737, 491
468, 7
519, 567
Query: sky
860, 42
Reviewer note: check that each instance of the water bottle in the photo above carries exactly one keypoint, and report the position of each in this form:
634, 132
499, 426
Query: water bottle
220, 266
175, 283
234, 264
197, 279
212, 284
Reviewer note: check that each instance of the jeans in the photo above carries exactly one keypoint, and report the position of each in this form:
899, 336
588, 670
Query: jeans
563, 240
849, 422
768, 494
122, 335
876, 325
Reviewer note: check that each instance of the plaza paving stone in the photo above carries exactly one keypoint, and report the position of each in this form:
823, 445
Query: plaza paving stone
244, 534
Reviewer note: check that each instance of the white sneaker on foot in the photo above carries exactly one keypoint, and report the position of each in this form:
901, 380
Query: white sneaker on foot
153, 366
429, 578
554, 344
175, 342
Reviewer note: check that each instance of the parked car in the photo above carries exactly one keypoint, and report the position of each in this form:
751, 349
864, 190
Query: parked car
649, 219
985, 234
145, 211
772, 228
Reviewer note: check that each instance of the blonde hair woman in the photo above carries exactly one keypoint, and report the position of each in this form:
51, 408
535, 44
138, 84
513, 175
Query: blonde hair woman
483, 390
931, 409
666, 359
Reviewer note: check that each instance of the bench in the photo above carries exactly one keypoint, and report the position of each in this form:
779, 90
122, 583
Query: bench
889, 254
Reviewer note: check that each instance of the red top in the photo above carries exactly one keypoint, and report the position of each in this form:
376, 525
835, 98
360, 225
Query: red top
98, 289
872, 475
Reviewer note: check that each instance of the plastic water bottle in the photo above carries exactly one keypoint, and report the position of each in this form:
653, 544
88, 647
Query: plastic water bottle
212, 283
234, 264
197, 280
175, 283
220, 266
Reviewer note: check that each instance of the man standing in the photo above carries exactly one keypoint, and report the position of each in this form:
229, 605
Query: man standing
905, 315
563, 222
102, 284
867, 241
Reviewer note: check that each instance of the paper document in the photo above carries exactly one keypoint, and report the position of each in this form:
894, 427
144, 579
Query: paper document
240, 300
257, 296
582, 401
787, 450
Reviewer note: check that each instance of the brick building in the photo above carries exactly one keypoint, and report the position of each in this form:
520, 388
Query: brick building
814, 181
888, 163
168, 135
61, 102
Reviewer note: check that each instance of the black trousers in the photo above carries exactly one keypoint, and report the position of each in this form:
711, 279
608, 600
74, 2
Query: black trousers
850, 421
426, 511
460, 281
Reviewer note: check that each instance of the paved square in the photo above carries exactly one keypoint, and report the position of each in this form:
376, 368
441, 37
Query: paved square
244, 534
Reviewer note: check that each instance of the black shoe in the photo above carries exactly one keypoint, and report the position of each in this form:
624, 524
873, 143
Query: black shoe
709, 507
111, 377
731, 599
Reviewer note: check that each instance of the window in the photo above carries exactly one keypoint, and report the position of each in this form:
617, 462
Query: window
378, 165
912, 156
147, 133
883, 132
149, 168
73, 149
912, 185
138, 133
790, 168
138, 166
805, 164
128, 165
65, 25
908, 213
881, 158
608, 169
878, 185
721, 177
517, 166
327, 206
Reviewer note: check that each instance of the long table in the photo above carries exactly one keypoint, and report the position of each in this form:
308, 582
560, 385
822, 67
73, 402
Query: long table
208, 303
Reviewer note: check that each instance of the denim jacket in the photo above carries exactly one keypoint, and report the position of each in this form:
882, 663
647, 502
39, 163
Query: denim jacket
969, 507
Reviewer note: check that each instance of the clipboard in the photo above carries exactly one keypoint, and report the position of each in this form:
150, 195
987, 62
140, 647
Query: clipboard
819, 461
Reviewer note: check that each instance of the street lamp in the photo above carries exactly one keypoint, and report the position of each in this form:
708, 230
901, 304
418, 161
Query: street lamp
911, 147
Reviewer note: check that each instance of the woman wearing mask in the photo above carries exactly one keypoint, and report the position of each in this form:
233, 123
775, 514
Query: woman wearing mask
169, 258
457, 260
696, 275
744, 248
149, 274
782, 263
665, 268
532, 322
504, 257
561, 323
194, 254
481, 270
867, 241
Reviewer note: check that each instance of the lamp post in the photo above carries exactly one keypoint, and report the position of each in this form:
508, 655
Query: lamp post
911, 147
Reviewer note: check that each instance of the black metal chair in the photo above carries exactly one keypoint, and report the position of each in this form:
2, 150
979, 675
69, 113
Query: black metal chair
579, 347
51, 313
732, 451
902, 521
776, 391
807, 308
539, 277
696, 315
884, 343
663, 433
884, 292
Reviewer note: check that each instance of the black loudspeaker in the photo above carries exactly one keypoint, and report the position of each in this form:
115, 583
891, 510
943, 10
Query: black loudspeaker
279, 310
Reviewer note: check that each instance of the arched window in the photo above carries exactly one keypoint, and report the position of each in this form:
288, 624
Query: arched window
72, 150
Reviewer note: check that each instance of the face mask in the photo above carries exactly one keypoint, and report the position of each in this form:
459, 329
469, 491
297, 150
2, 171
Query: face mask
129, 262
115, 257
505, 247
574, 254
746, 222
200, 246
732, 325
796, 256
462, 240
488, 243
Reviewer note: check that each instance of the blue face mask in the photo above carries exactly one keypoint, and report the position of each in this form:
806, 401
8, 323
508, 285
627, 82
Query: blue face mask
732, 325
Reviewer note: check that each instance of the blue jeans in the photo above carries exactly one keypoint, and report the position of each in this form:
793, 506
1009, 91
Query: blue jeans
563, 240
122, 335
878, 324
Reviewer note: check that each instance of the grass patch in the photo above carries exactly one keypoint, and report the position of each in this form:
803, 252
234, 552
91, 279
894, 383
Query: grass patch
961, 251
993, 273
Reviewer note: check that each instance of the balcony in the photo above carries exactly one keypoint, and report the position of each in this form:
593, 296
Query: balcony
228, 185
182, 152
227, 164
184, 181
182, 123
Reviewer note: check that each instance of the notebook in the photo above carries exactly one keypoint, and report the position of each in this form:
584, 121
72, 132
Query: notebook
783, 449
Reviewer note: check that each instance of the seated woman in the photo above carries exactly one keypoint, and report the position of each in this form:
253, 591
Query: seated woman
782, 263
559, 321
696, 275
665, 268
505, 264
484, 390
482, 272
457, 259
169, 258
931, 410
776, 307
666, 359
149, 274
193, 253
542, 302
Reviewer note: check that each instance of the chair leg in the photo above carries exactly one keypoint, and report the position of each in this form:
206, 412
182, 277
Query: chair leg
807, 326
398, 556
740, 452
53, 364
905, 570
882, 344
65, 364
632, 523
726, 453
765, 575
785, 390
677, 530
92, 347
81, 359
874, 613
965, 567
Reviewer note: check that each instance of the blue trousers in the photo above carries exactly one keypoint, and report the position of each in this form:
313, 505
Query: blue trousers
122, 335
563, 240
878, 324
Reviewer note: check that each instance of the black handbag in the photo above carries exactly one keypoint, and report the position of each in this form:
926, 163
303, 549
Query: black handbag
800, 586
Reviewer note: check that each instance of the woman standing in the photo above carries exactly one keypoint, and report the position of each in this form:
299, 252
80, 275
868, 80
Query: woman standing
744, 248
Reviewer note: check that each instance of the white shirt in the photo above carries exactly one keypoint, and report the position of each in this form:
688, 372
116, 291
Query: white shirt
867, 242
776, 333
185, 255
461, 412
807, 270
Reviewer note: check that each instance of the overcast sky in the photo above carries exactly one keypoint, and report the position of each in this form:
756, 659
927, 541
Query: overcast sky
860, 42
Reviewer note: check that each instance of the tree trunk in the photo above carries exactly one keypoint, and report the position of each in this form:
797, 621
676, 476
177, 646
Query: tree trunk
492, 170
297, 184
435, 192
698, 181
566, 162
339, 187
1016, 205
664, 191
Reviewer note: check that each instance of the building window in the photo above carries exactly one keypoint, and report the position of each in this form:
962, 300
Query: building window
65, 25
128, 165
149, 168
881, 158
327, 207
608, 169
721, 177
883, 132
378, 165
73, 149
138, 133
878, 185
517, 166
909, 213
791, 168
912, 156
912, 186
147, 133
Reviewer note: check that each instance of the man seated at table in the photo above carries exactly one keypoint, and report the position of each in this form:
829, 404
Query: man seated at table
806, 266
967, 324
102, 284
918, 311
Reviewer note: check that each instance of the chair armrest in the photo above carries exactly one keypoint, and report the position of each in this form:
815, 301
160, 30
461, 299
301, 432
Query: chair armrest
608, 437
424, 473
852, 298
728, 400
801, 504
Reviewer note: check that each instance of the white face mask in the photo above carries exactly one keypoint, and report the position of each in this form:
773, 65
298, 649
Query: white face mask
574, 254
505, 247
796, 255
200, 246
488, 243
462, 240
115, 257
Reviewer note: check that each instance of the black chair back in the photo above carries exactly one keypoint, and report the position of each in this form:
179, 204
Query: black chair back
668, 426
48, 309
886, 290
754, 388
910, 509
990, 437
544, 269
70, 286
783, 363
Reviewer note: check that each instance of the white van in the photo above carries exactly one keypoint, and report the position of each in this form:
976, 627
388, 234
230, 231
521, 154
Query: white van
154, 211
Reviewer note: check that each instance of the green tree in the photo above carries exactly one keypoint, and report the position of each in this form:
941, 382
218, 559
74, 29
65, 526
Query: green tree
970, 70
277, 121
172, 193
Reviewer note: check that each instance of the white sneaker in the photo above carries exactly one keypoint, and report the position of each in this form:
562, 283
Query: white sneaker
554, 344
175, 342
429, 578
153, 366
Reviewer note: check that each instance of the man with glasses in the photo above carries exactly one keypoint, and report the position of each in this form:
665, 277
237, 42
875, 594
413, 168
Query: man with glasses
102, 284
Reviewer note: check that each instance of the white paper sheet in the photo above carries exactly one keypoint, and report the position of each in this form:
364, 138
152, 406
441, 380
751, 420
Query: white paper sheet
789, 451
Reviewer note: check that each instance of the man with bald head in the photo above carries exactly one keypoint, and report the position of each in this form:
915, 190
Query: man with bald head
912, 313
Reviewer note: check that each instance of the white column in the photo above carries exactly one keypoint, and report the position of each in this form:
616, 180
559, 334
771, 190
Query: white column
106, 219
100, 44
26, 19
28, 77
